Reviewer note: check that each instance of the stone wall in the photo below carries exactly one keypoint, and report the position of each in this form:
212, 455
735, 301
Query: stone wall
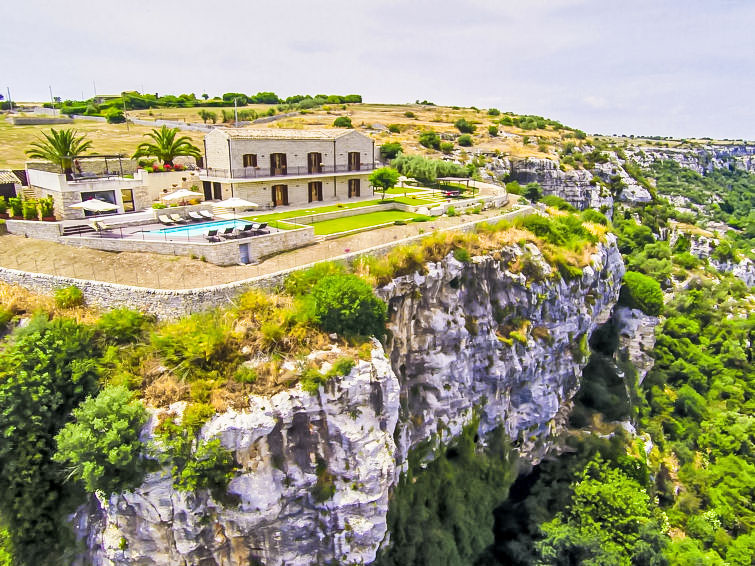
166, 303
37, 120
34, 229
226, 252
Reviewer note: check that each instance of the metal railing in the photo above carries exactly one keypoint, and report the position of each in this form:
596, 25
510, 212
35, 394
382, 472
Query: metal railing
291, 171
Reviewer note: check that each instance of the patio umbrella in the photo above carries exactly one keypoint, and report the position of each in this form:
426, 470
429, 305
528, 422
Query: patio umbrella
234, 203
181, 194
95, 205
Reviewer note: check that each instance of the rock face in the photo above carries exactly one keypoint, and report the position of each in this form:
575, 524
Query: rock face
636, 332
317, 470
703, 159
573, 186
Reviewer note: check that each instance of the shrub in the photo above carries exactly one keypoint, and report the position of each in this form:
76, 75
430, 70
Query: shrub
69, 297
210, 467
514, 188
159, 205
559, 203
3, 205
533, 192
641, 292
592, 215
451, 211
465, 127
446, 147
300, 283
390, 150
579, 134
16, 206
101, 446
122, 325
29, 210
347, 305
462, 255
394, 128
465, 140
410, 114
115, 116
46, 207
494, 112
493, 131
342, 122
429, 139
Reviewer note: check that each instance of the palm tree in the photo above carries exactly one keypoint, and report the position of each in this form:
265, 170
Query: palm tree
166, 146
61, 147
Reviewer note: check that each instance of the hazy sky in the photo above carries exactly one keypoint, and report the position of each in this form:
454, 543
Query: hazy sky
675, 67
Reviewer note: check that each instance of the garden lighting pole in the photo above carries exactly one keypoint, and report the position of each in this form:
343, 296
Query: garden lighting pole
52, 100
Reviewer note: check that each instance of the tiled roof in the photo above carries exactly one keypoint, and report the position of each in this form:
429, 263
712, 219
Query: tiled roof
7, 176
282, 134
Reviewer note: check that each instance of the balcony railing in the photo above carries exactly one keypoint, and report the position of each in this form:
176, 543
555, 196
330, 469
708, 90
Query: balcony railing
293, 171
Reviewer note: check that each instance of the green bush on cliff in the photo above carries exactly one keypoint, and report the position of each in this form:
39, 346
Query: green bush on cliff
641, 292
347, 305
101, 446
46, 370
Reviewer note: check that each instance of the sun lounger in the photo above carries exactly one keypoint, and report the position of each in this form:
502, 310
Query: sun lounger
212, 236
196, 216
206, 214
261, 229
165, 220
177, 218
228, 233
246, 230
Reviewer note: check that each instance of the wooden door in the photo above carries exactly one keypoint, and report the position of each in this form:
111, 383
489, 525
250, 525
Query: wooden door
353, 188
280, 195
314, 162
354, 161
315, 191
278, 164
207, 188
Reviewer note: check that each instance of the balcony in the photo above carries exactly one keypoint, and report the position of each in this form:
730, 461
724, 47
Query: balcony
260, 173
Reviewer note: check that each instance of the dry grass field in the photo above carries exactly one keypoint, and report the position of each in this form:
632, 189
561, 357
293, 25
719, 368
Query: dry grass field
117, 138
106, 139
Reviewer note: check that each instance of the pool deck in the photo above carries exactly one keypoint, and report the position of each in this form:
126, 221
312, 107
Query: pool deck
146, 232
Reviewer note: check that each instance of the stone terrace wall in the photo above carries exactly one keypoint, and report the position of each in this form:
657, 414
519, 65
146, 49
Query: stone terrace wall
220, 253
166, 303
35, 229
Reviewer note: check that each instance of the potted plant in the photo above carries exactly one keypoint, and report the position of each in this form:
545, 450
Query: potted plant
16, 207
47, 209
3, 208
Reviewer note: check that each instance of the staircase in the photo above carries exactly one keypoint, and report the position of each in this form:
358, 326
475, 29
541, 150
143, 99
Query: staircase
28, 193
76, 229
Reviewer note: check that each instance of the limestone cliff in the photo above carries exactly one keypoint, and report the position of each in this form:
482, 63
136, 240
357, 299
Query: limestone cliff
316, 471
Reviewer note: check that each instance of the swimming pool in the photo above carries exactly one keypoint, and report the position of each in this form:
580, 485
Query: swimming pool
191, 230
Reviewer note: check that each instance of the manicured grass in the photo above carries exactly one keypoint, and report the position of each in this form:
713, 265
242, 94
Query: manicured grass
414, 201
360, 221
402, 190
310, 211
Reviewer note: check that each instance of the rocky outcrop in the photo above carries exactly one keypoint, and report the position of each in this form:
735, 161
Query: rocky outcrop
466, 336
316, 471
743, 269
574, 186
636, 332
700, 159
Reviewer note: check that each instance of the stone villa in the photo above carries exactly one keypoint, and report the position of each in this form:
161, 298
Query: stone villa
274, 167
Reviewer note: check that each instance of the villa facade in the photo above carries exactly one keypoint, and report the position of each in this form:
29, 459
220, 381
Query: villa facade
277, 167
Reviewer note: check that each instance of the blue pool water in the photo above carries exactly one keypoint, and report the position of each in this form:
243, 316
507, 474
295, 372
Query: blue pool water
189, 230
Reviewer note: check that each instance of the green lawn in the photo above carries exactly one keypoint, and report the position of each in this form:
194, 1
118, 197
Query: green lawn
309, 211
402, 190
361, 221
